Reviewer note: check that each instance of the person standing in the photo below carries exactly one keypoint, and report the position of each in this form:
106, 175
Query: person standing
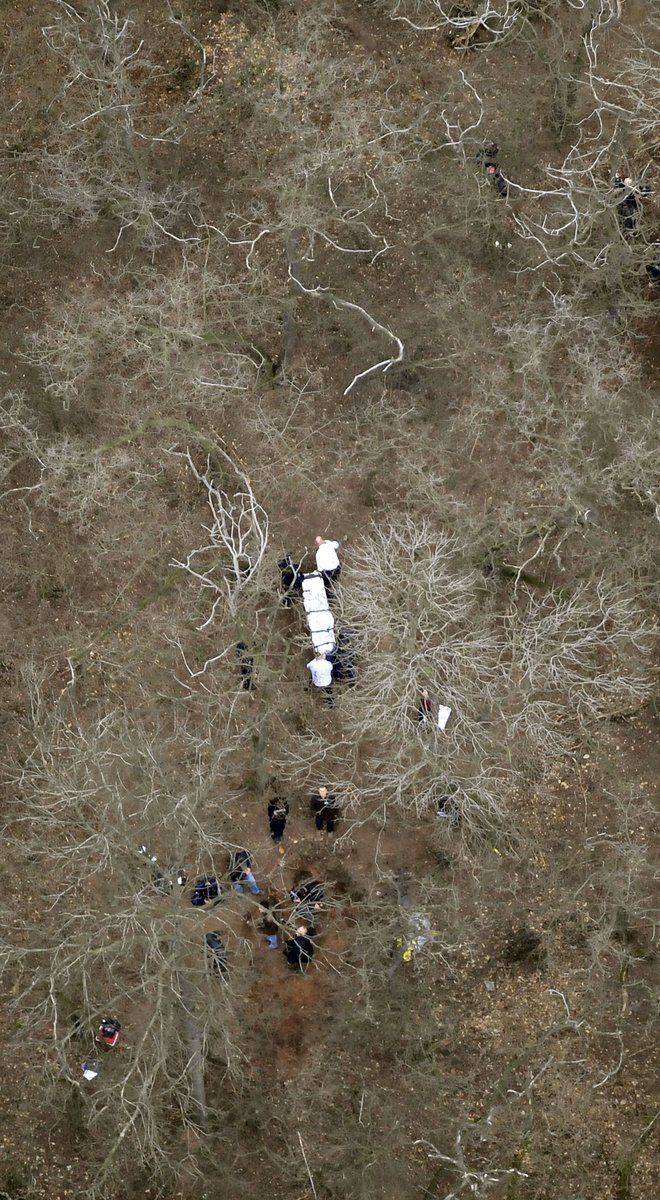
320, 669
344, 662
299, 950
327, 562
325, 807
278, 811
291, 578
425, 707
488, 158
245, 666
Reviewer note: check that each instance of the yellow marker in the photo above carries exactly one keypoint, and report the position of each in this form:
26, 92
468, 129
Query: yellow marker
496, 851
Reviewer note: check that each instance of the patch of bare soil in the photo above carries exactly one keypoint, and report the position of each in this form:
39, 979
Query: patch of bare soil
551, 939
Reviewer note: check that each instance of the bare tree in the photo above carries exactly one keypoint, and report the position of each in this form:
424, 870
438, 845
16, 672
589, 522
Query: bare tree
422, 619
97, 157
238, 537
95, 791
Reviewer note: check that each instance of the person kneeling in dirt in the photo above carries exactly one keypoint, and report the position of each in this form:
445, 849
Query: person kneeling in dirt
307, 897
299, 950
307, 889
217, 952
206, 891
267, 924
108, 1032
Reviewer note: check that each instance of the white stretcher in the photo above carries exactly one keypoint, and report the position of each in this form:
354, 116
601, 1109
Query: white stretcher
317, 611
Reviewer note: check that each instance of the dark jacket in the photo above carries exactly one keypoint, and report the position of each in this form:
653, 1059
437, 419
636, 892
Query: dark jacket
299, 951
291, 578
328, 807
278, 810
488, 155
309, 890
217, 951
205, 889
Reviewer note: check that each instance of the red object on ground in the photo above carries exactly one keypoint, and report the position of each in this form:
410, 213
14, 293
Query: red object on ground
108, 1033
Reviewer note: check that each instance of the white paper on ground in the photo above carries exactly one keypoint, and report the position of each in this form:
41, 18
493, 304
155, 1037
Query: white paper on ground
444, 714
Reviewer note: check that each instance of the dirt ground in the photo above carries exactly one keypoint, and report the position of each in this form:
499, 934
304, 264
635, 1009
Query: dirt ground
370, 1065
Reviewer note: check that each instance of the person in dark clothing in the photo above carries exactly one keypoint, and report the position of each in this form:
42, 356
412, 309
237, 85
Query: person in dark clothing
299, 950
108, 1032
343, 663
245, 666
446, 806
78, 1027
487, 157
268, 925
307, 896
240, 872
325, 807
278, 811
205, 890
499, 181
307, 889
307, 913
217, 952
291, 578
629, 207
441, 805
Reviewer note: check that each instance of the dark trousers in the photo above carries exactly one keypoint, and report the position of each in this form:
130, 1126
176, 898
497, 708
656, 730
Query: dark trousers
328, 819
277, 828
329, 579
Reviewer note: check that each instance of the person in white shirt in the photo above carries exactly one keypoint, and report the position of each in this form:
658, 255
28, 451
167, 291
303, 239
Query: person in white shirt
327, 562
320, 668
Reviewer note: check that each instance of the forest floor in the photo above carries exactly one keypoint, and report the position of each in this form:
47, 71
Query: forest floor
65, 602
